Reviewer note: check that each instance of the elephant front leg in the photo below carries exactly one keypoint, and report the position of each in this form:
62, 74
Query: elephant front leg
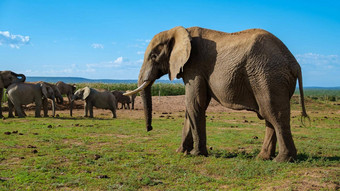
197, 125
38, 103
187, 141
90, 107
197, 100
86, 109
45, 107
269, 143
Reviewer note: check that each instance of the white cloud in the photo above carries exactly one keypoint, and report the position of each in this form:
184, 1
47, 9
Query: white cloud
319, 69
97, 45
119, 60
318, 61
13, 41
140, 52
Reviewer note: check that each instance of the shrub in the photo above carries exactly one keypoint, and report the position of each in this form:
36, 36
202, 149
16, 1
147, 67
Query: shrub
157, 88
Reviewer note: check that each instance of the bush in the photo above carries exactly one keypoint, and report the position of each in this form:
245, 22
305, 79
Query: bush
157, 88
332, 98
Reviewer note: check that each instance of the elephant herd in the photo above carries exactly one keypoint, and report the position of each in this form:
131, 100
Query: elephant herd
21, 93
248, 70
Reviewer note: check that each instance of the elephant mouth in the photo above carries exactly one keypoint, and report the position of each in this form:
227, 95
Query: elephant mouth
140, 88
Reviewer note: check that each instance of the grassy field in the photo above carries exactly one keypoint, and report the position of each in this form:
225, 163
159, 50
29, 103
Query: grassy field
104, 154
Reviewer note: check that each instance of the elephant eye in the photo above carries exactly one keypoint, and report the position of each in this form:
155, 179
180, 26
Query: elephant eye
153, 56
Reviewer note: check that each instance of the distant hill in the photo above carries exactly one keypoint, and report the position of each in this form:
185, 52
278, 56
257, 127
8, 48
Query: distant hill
108, 81
85, 80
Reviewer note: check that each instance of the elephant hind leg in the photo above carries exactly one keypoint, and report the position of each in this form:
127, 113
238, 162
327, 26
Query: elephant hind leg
269, 143
10, 109
279, 116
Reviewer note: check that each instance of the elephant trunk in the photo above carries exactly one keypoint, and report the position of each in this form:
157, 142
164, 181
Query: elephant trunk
147, 100
60, 99
53, 107
22, 77
71, 107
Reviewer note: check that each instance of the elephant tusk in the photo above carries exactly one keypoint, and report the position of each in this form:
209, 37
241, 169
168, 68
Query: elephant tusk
140, 88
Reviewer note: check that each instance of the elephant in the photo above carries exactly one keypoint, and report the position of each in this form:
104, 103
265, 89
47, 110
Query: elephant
132, 98
120, 98
25, 93
57, 95
66, 89
99, 98
248, 70
7, 78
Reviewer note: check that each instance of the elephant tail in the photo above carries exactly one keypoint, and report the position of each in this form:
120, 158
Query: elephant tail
304, 114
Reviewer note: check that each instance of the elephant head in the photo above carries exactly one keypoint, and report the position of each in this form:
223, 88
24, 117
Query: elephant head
167, 53
58, 96
79, 94
8, 77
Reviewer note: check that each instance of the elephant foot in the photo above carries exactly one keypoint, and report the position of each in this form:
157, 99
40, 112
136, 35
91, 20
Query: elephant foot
264, 156
185, 150
45, 115
195, 152
285, 158
9, 116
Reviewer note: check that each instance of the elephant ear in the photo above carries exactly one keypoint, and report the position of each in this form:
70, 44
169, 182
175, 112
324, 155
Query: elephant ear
180, 51
50, 92
86, 93
44, 90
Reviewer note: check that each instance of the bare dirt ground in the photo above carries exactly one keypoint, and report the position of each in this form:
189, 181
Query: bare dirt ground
161, 104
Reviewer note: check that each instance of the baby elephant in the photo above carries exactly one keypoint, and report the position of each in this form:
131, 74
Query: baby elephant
124, 100
99, 98
25, 93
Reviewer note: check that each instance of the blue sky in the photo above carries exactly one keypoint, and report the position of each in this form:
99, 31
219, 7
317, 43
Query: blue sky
107, 39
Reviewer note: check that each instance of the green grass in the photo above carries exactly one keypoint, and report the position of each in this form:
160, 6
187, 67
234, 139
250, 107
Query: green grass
104, 154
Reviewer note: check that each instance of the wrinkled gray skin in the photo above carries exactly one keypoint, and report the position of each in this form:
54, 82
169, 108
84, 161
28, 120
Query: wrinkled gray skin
57, 95
7, 78
68, 90
99, 98
248, 70
25, 93
120, 98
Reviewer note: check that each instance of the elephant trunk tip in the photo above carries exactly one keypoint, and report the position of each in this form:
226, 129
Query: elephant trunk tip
149, 128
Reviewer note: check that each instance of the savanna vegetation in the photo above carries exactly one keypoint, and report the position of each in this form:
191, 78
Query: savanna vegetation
103, 154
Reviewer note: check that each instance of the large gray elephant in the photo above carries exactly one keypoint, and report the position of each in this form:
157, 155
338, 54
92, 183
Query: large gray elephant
248, 70
57, 95
7, 78
120, 98
25, 93
99, 98
68, 90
